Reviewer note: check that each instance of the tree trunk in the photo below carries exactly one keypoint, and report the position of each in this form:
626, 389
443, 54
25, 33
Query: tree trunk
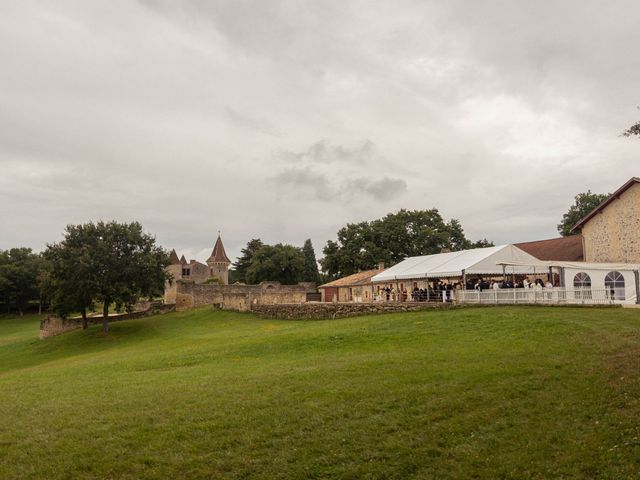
105, 316
84, 319
40, 307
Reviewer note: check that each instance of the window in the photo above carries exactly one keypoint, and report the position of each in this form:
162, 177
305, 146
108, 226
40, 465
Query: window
614, 281
582, 280
582, 284
186, 272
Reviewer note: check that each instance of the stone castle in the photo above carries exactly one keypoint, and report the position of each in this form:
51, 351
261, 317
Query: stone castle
196, 284
216, 269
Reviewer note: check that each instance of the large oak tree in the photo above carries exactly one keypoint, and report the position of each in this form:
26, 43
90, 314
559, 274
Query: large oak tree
109, 262
406, 233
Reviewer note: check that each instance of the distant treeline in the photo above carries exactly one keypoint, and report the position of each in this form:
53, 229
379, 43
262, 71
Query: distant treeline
112, 263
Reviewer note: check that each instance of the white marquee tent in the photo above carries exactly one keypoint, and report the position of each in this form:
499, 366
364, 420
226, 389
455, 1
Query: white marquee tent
478, 261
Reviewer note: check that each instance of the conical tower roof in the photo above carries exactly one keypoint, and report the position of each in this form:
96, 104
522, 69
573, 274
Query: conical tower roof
173, 258
218, 254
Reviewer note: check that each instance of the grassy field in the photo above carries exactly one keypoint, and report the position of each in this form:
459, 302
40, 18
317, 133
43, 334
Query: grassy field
486, 393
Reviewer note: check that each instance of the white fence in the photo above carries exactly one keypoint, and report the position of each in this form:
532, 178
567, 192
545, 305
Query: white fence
550, 296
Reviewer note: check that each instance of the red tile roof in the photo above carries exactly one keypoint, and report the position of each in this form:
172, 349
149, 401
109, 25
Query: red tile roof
218, 254
360, 278
568, 249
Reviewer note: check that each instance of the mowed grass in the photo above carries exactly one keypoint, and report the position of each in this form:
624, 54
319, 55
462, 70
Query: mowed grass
486, 393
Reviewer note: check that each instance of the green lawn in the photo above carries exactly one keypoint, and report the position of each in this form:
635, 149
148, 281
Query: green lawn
487, 393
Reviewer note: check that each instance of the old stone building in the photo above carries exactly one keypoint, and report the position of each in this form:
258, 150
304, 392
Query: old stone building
216, 270
352, 288
611, 232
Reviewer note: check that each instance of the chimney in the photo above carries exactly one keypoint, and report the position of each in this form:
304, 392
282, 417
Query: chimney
381, 266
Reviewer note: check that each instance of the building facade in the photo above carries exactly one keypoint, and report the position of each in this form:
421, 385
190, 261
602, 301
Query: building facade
611, 232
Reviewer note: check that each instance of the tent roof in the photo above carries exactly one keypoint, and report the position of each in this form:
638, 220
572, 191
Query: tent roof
478, 261
576, 265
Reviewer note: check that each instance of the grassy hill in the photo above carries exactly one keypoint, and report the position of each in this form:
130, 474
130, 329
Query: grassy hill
510, 392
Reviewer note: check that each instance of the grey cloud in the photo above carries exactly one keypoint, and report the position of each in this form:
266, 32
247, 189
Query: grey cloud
306, 180
303, 180
324, 152
381, 190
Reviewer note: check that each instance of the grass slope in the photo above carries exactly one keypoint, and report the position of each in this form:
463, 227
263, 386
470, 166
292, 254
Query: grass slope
475, 393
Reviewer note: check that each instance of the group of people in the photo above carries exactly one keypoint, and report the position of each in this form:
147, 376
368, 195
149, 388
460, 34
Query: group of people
480, 284
444, 291
441, 292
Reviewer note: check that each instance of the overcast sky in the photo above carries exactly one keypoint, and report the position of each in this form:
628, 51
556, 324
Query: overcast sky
285, 120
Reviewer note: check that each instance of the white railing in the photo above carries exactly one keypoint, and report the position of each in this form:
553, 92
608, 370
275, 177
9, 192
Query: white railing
549, 296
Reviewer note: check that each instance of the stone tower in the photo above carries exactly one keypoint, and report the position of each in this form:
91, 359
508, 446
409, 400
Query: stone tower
219, 263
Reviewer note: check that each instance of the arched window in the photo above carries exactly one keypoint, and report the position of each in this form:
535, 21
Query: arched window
582, 284
614, 281
582, 280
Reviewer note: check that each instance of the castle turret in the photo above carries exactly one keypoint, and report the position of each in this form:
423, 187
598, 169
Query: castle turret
173, 258
219, 263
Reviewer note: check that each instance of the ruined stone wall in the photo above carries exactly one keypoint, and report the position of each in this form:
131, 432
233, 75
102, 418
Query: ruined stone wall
190, 294
614, 234
52, 325
240, 302
322, 311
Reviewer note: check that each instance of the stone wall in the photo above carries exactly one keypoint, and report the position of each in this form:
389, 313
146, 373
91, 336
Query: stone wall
52, 325
614, 234
321, 311
190, 294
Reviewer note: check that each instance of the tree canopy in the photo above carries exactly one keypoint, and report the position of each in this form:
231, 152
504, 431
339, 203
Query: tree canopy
311, 273
108, 262
583, 205
633, 130
19, 278
281, 263
406, 233
243, 262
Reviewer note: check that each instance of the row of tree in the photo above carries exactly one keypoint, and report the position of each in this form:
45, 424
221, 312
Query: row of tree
286, 264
